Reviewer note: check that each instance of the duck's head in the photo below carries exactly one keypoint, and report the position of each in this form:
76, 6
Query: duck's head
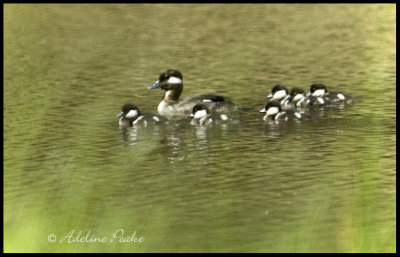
200, 111
271, 109
296, 94
278, 92
318, 90
130, 111
171, 81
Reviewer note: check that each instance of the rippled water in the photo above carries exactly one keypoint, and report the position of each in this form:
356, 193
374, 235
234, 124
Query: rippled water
322, 185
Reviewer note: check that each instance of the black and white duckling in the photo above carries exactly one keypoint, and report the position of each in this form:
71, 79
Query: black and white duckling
131, 115
172, 82
297, 98
201, 115
280, 92
319, 96
273, 111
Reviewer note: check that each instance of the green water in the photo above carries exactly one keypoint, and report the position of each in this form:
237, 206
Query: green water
323, 185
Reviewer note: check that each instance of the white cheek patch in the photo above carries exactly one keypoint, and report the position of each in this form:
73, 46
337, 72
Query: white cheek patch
319, 92
298, 97
206, 100
156, 119
279, 94
200, 114
320, 100
131, 114
340, 96
272, 111
224, 117
174, 80
298, 115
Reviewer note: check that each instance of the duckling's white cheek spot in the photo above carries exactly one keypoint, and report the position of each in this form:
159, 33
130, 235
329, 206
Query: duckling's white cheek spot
319, 92
174, 80
224, 117
206, 100
272, 111
279, 94
320, 100
340, 96
298, 115
156, 119
298, 97
200, 114
131, 114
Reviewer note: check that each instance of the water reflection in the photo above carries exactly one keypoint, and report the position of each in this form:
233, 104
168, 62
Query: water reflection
173, 144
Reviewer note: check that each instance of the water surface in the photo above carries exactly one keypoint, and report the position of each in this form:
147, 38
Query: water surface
321, 185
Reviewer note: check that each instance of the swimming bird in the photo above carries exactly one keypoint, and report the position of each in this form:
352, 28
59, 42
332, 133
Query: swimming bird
131, 115
171, 106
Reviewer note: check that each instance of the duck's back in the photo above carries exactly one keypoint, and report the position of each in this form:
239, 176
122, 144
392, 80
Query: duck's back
215, 103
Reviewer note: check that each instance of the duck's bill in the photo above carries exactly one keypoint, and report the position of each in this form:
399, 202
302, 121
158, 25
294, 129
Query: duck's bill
191, 116
287, 98
308, 94
269, 96
120, 115
155, 85
263, 110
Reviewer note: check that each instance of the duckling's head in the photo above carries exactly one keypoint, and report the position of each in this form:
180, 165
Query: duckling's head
296, 94
318, 90
278, 92
200, 110
130, 111
271, 109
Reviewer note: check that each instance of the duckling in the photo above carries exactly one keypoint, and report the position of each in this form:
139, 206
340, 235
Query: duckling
202, 115
297, 98
274, 112
131, 115
280, 92
320, 96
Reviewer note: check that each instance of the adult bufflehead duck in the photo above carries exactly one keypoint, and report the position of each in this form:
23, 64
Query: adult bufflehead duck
172, 82
131, 115
201, 115
273, 111
319, 96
